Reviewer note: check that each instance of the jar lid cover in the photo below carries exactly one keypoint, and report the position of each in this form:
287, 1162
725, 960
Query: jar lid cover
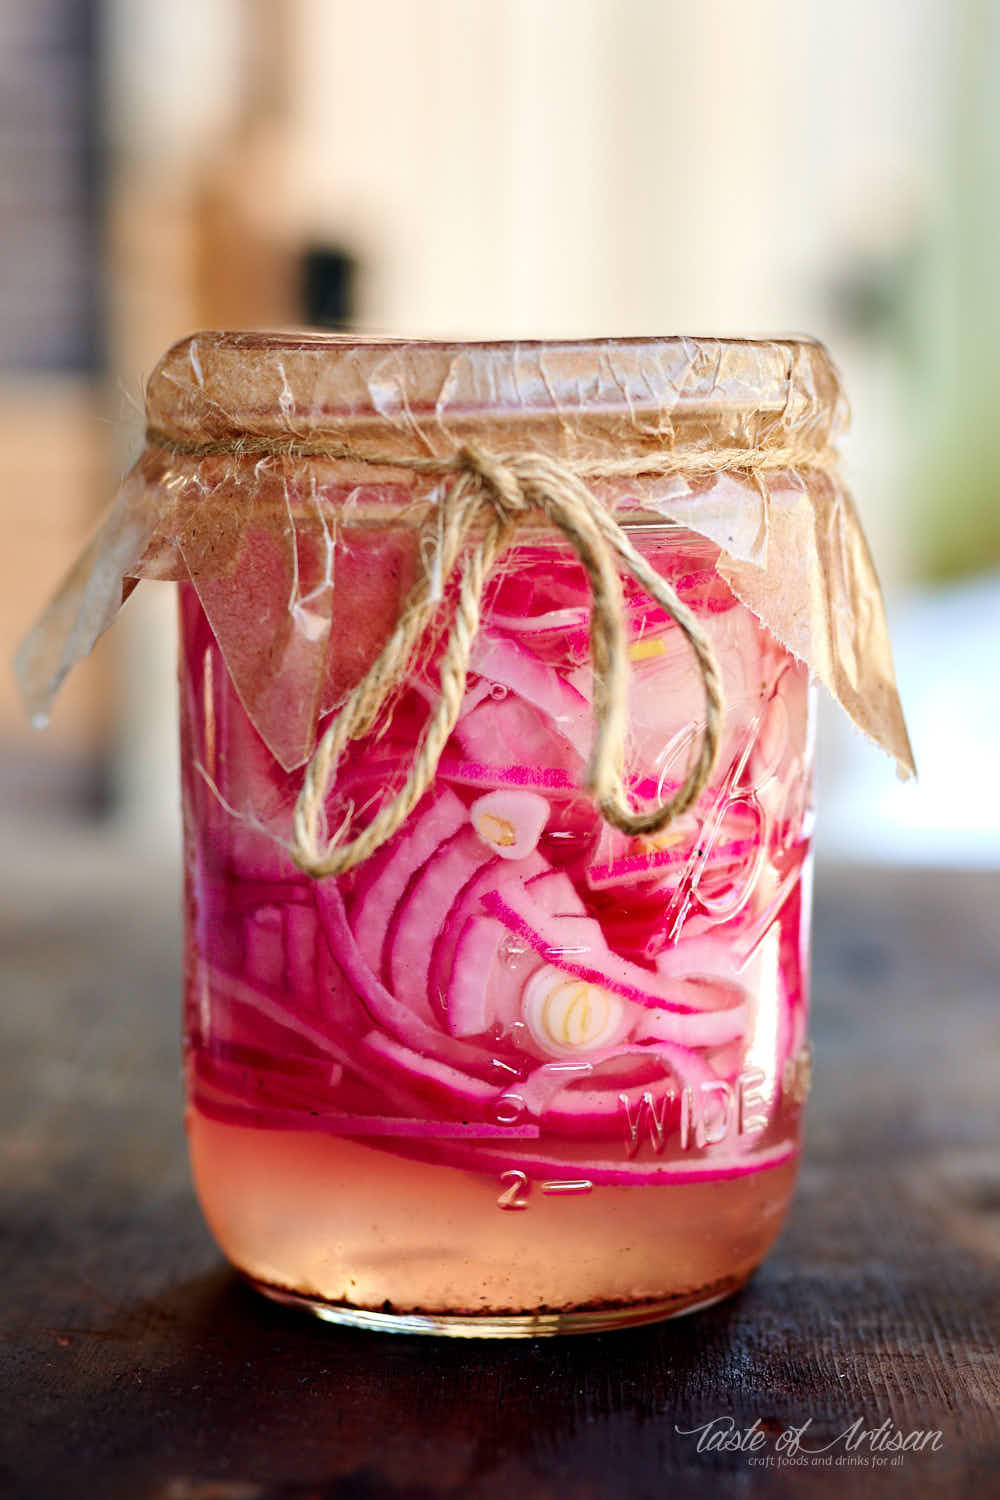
260, 446
583, 398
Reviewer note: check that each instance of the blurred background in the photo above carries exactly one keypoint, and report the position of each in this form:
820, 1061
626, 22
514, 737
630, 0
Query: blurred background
510, 167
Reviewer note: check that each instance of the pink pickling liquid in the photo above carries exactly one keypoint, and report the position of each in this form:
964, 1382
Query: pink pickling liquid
339, 1221
518, 1064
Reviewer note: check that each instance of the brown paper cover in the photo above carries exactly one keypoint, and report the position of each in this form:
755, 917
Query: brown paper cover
237, 491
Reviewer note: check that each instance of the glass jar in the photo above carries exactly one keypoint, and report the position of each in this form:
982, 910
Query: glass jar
517, 1072
496, 724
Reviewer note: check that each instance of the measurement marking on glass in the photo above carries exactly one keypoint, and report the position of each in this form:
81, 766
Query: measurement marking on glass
515, 1189
569, 1186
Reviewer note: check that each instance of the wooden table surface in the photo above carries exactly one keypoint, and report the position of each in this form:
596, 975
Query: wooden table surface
138, 1366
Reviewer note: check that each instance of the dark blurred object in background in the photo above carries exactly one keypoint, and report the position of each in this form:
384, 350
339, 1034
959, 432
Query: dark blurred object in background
54, 469
328, 278
50, 290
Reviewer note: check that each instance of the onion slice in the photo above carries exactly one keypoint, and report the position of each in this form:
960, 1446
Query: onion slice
385, 879
558, 940
551, 780
505, 662
604, 1172
428, 1074
421, 913
470, 1002
388, 1012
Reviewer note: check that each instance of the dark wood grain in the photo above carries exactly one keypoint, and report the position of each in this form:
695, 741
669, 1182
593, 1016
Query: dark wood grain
138, 1366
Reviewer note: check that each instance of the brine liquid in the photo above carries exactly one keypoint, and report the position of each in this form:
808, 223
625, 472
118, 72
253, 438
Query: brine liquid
517, 1063
421, 1238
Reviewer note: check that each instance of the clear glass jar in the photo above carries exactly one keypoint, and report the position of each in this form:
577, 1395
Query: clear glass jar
517, 1072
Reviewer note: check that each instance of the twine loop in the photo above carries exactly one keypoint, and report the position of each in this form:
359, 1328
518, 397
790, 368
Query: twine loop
485, 499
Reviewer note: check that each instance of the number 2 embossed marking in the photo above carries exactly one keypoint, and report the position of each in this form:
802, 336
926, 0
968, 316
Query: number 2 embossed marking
515, 1193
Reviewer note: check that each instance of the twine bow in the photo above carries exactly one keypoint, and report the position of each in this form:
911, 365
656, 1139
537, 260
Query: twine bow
485, 500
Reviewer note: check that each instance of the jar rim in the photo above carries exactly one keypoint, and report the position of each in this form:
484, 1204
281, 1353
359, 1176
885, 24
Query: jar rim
577, 396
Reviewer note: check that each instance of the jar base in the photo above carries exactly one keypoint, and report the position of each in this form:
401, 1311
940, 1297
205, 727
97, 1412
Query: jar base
541, 1324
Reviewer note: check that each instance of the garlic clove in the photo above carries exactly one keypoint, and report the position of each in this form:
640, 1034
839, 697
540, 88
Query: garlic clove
568, 1016
510, 822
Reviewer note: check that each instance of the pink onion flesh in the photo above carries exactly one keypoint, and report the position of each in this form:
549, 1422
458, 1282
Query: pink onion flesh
507, 950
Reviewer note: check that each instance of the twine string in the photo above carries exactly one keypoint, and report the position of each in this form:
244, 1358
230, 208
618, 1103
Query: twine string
657, 463
485, 498
318, 856
480, 512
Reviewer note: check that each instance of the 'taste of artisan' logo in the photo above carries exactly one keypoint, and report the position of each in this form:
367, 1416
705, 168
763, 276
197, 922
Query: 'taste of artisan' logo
856, 1445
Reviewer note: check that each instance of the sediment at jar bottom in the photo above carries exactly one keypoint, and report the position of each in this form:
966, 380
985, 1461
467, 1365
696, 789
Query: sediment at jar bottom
345, 1223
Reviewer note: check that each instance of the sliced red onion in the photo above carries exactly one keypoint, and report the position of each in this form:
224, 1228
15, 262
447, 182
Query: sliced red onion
551, 780
301, 934
385, 879
269, 1008
728, 1062
471, 698
632, 869
397, 1019
553, 620
246, 895
506, 662
515, 733
251, 1056
512, 948
391, 1125
666, 698
539, 1091
556, 894
469, 1005
421, 913
296, 1085
759, 917
264, 946
709, 1028
561, 942
545, 1166
699, 958
468, 905
508, 977
234, 1110
428, 1074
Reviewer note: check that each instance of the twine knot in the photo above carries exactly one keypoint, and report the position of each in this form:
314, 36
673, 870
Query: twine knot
485, 500
500, 478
